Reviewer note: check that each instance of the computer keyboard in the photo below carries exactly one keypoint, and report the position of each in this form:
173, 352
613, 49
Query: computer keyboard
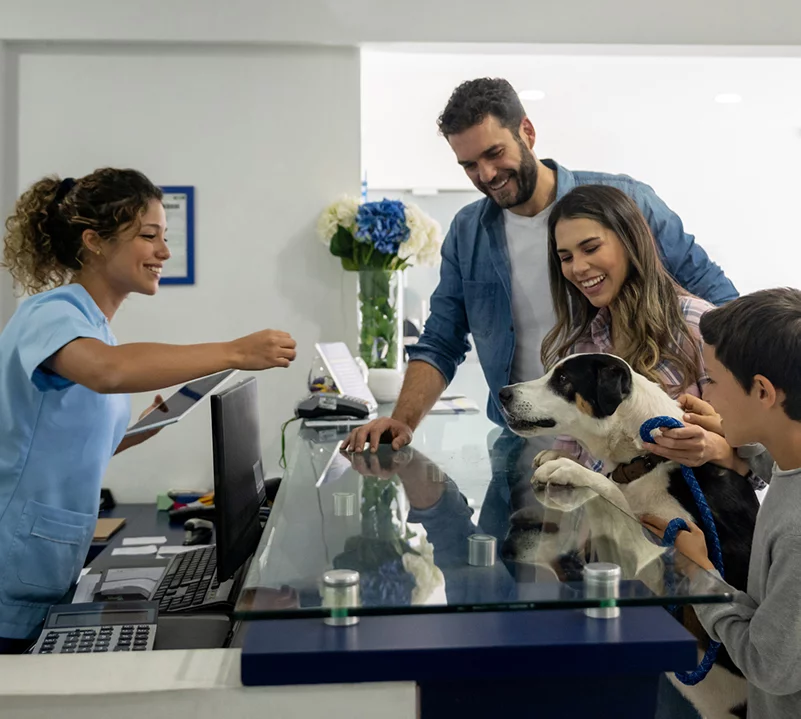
190, 584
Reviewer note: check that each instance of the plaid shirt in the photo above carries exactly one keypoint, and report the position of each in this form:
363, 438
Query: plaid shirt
599, 339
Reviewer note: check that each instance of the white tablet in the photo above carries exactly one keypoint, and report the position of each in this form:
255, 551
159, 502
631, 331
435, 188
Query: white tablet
178, 405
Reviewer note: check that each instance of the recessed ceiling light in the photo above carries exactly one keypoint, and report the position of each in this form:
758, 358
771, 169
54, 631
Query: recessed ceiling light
532, 95
728, 98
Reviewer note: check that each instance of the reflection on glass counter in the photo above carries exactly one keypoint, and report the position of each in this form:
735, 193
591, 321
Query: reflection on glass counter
451, 528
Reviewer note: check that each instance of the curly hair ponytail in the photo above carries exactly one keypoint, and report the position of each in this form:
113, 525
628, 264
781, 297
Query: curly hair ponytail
43, 243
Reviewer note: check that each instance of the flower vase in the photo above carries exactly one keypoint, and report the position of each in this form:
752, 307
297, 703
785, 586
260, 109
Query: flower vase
381, 318
384, 509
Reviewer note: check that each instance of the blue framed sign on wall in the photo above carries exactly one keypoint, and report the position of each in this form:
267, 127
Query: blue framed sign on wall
179, 204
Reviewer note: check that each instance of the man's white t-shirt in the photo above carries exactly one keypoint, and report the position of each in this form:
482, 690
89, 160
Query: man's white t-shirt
532, 310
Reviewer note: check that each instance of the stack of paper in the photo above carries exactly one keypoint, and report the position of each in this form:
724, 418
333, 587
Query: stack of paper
455, 405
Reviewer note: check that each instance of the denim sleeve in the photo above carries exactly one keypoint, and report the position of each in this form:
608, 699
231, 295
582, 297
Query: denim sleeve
448, 525
684, 258
443, 343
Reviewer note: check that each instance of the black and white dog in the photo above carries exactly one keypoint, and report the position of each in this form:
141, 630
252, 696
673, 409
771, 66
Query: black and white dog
601, 402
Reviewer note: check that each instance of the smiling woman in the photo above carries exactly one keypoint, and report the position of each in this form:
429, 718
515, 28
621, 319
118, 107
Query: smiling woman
80, 247
612, 295
44, 244
605, 272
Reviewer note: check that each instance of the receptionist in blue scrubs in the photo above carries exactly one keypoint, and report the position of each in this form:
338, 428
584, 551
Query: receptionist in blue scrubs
79, 248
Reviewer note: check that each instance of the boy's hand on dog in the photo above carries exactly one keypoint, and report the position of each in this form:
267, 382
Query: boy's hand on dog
700, 413
691, 544
691, 446
700, 441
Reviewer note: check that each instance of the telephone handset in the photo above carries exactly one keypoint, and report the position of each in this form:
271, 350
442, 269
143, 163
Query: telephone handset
330, 405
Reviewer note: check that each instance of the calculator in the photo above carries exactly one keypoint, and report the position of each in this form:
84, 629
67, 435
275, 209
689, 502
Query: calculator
98, 627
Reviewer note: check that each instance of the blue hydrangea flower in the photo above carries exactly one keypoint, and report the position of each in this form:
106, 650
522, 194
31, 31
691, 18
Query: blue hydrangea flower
388, 586
382, 224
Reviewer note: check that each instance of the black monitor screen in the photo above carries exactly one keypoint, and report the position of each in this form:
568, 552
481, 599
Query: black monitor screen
238, 474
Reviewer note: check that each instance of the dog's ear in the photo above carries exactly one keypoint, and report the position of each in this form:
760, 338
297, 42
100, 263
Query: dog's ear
613, 383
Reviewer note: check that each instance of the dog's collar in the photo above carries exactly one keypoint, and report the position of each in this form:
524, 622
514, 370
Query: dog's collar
638, 467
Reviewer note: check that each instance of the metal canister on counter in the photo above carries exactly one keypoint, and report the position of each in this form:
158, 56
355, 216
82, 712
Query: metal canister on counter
602, 581
340, 594
481, 550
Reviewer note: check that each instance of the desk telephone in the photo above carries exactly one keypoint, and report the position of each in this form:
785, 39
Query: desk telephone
327, 405
348, 395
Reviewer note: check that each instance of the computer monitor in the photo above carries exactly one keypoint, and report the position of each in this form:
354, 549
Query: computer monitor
238, 474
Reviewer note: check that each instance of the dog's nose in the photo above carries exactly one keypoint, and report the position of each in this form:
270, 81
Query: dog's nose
506, 395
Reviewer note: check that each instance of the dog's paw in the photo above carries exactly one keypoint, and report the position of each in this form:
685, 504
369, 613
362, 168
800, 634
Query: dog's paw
563, 498
548, 455
563, 471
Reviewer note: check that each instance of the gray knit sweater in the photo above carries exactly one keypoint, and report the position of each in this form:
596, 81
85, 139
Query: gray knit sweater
761, 629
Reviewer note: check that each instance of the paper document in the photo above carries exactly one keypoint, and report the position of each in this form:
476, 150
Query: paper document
334, 421
459, 405
147, 549
85, 591
124, 575
137, 541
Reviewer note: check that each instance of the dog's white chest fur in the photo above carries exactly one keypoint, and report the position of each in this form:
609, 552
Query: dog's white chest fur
649, 495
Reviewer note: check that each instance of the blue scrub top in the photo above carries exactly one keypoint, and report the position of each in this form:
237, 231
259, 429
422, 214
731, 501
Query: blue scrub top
56, 439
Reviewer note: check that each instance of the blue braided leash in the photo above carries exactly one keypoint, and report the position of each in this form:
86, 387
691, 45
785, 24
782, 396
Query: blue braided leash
676, 525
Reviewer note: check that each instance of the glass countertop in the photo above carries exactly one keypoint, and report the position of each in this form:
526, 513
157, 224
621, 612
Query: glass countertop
451, 523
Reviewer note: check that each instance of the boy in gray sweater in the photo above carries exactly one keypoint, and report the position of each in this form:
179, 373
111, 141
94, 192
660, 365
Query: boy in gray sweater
752, 352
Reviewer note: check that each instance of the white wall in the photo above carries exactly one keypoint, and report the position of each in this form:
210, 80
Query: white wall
771, 22
730, 171
252, 131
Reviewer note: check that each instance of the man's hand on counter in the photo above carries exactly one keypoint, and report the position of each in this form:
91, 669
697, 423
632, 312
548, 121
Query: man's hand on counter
384, 430
423, 482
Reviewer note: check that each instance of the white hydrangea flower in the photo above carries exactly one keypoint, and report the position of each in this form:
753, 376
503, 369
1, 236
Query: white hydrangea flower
427, 575
425, 238
411, 247
342, 212
430, 254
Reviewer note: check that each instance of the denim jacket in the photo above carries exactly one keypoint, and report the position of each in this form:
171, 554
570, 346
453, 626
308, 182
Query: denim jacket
474, 294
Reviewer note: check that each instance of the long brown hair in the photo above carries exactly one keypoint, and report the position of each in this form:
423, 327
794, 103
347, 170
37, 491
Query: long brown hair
43, 243
649, 324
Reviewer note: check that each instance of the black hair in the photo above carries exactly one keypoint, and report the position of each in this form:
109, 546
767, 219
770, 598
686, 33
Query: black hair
474, 100
760, 334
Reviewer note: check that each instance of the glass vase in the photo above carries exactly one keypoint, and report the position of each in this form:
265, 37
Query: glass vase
381, 318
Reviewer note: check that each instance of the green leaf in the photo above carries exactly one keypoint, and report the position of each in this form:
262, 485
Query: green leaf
349, 265
342, 243
378, 260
